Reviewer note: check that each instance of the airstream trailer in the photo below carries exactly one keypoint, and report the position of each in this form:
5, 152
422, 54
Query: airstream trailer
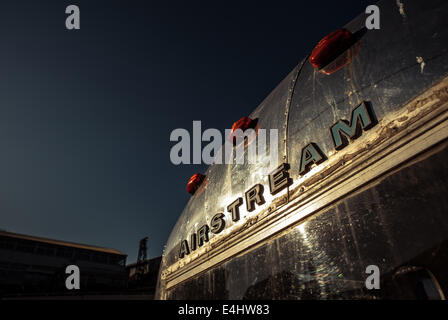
361, 177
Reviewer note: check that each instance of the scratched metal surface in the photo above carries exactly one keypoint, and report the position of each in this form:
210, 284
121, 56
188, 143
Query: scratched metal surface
386, 71
225, 183
400, 221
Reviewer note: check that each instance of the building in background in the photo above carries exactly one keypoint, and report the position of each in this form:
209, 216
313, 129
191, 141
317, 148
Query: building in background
142, 276
36, 266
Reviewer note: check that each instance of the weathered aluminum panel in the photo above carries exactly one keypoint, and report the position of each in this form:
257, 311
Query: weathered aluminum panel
399, 221
406, 59
385, 72
225, 183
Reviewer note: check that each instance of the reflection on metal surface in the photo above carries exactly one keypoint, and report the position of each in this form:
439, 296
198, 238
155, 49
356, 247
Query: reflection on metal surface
195, 182
419, 125
378, 199
362, 118
419, 283
326, 255
336, 50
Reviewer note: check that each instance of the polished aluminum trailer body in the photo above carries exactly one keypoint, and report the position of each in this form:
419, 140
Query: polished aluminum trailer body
380, 200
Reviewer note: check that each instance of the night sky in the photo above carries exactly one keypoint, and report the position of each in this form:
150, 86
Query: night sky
86, 115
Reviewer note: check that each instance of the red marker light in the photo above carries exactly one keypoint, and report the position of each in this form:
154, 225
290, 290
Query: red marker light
194, 182
244, 123
330, 47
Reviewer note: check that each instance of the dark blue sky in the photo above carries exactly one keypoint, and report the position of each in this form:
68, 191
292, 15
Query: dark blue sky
86, 115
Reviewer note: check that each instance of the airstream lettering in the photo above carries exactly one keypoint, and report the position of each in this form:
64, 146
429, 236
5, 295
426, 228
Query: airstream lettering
339, 195
362, 118
233, 209
279, 179
311, 154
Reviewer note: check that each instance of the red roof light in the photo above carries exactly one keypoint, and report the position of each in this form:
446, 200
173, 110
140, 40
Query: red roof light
194, 182
244, 123
330, 47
